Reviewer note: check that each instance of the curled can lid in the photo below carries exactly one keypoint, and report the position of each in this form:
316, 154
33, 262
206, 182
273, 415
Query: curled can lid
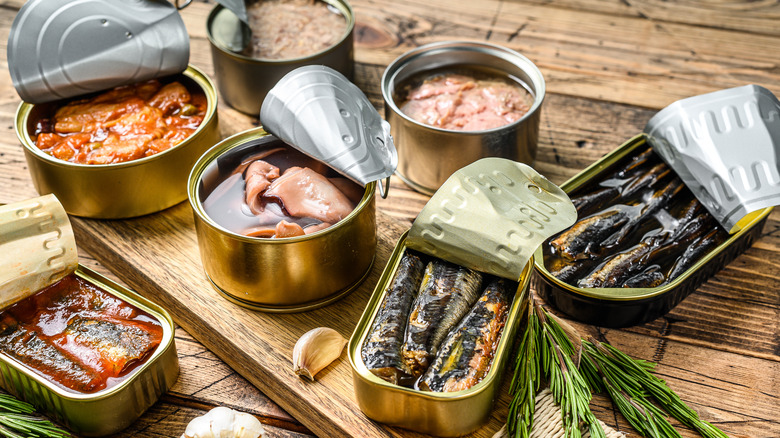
64, 48
725, 146
321, 113
37, 247
238, 7
491, 216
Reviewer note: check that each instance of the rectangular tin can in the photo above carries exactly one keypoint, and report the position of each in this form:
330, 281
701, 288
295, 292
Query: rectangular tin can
437, 413
110, 410
621, 307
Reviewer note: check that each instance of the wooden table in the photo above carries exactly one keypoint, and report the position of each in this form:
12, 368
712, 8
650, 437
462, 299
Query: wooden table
609, 66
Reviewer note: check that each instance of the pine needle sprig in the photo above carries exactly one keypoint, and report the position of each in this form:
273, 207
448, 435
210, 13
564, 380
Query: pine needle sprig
16, 421
638, 373
525, 381
570, 389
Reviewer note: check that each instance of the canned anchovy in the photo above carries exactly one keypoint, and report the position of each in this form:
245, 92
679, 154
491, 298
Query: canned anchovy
130, 338
241, 56
431, 148
643, 242
102, 180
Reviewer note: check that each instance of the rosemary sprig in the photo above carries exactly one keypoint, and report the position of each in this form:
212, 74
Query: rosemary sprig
525, 381
16, 421
570, 389
546, 353
633, 377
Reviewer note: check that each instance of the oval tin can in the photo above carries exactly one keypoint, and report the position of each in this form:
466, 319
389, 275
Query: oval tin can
121, 190
621, 307
244, 81
429, 155
280, 275
112, 409
437, 413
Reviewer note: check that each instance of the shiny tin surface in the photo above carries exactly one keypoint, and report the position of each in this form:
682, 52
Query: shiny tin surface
121, 190
428, 155
244, 81
280, 275
60, 48
620, 307
441, 414
112, 409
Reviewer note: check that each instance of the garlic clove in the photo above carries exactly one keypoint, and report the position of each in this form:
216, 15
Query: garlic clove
315, 350
223, 422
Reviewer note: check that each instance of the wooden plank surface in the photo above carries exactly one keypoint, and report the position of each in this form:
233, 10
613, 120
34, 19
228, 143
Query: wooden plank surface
609, 65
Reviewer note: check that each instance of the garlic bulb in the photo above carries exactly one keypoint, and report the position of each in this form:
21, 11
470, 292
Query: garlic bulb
315, 350
223, 422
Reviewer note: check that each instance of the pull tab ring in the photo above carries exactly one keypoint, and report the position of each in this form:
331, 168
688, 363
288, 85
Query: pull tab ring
384, 188
182, 6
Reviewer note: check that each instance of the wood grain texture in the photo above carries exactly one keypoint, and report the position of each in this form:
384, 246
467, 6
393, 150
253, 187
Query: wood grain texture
609, 65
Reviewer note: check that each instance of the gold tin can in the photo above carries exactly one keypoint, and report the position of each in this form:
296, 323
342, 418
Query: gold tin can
280, 275
121, 190
244, 81
621, 307
110, 410
436, 413
427, 155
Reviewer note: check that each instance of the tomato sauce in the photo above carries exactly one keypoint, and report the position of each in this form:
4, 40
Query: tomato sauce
123, 124
78, 335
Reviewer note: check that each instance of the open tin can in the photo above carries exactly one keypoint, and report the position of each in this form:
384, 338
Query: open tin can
428, 155
487, 217
81, 50
278, 275
325, 125
625, 306
120, 190
243, 80
39, 230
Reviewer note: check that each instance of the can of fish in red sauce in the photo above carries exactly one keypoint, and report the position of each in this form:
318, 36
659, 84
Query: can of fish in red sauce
290, 274
244, 80
428, 154
108, 410
127, 189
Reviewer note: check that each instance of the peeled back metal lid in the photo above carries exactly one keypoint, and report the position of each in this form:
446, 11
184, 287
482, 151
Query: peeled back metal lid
725, 146
321, 113
491, 216
65, 48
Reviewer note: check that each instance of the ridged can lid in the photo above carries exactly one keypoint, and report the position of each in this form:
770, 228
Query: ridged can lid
322, 114
37, 248
725, 146
64, 48
491, 216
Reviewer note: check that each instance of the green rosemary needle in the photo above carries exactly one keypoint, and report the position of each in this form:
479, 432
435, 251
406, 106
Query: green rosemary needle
16, 421
525, 380
634, 377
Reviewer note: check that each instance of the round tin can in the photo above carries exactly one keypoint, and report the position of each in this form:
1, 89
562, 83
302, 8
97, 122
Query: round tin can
428, 155
121, 190
278, 275
244, 81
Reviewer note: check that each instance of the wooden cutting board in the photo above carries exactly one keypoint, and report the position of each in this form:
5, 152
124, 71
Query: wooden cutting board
158, 256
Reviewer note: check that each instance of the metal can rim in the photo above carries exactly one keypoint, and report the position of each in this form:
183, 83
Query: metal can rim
192, 72
363, 326
525, 64
130, 297
342, 5
633, 294
237, 140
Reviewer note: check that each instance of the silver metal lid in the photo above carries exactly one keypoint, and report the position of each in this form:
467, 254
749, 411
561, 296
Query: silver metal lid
726, 148
238, 7
63, 48
321, 113
491, 216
